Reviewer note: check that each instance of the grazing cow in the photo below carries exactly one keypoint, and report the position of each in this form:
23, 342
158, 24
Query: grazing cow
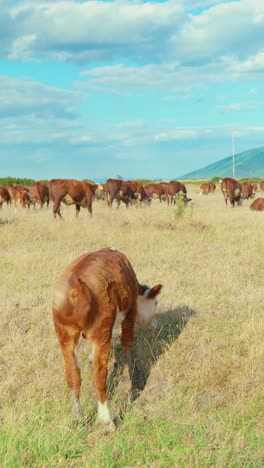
212, 186
262, 186
173, 188
231, 189
19, 194
97, 292
257, 205
4, 196
156, 190
247, 190
39, 193
205, 189
71, 192
125, 191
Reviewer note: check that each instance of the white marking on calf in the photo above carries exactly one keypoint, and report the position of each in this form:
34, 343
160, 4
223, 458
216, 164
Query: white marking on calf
146, 311
104, 415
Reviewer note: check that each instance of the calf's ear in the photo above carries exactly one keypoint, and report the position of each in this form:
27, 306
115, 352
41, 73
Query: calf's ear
154, 291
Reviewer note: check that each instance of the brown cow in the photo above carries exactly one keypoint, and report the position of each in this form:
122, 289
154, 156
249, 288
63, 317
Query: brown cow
212, 186
40, 193
257, 205
173, 188
156, 189
231, 189
125, 191
71, 192
205, 189
4, 196
20, 195
247, 190
262, 186
97, 292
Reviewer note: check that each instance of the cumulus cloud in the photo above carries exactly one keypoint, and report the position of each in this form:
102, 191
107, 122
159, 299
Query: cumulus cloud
144, 32
87, 31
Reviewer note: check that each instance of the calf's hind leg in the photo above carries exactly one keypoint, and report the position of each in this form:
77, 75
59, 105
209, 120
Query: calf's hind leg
73, 377
100, 370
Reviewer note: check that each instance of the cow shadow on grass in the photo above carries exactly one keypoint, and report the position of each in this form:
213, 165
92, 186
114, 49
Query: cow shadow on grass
147, 348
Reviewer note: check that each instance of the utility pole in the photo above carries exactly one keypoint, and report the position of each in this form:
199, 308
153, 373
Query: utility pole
233, 153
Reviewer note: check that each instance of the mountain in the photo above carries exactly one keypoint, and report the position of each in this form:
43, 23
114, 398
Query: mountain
247, 164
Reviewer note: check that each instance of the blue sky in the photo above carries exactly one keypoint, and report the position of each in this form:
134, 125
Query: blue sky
92, 89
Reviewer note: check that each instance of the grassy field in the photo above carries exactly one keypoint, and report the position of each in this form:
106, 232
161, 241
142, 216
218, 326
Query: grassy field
202, 369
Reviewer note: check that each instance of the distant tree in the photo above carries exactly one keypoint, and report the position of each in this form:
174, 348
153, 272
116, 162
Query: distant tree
216, 179
89, 181
119, 177
5, 181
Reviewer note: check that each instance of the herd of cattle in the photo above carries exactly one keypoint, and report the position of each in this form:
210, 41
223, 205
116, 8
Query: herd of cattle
82, 194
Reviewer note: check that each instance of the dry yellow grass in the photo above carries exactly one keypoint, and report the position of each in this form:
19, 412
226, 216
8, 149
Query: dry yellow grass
203, 399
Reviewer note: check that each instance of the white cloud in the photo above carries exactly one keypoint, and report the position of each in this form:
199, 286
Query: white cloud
27, 97
176, 134
145, 32
172, 77
237, 107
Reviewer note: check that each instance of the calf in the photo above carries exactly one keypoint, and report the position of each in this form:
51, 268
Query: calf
247, 190
39, 193
231, 189
205, 189
257, 205
156, 191
96, 292
212, 186
19, 194
261, 185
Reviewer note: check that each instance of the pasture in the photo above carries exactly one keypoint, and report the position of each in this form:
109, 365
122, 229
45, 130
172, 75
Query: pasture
200, 372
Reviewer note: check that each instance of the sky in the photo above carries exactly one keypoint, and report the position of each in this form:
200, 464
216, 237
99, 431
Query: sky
95, 89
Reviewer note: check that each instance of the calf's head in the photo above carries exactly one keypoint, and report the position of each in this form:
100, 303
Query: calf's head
147, 301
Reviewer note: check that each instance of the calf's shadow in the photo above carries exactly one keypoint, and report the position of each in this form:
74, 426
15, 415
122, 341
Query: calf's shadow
147, 348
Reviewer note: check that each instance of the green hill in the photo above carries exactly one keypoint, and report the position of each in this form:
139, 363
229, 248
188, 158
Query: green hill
248, 164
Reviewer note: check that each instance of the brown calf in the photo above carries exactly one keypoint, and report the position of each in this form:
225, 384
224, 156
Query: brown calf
39, 193
231, 189
262, 186
212, 186
19, 194
205, 189
124, 190
247, 190
94, 294
257, 205
156, 190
